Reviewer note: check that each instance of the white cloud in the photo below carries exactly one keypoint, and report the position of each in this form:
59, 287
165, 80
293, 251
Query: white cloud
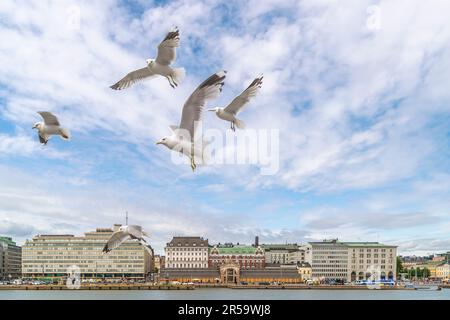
354, 106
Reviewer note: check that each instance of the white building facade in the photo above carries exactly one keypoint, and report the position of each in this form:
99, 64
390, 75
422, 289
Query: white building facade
186, 253
351, 261
51, 256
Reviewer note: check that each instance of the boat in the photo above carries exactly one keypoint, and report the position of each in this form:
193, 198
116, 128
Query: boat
427, 287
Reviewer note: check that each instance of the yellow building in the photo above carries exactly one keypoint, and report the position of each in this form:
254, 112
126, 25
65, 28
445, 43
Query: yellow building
305, 271
50, 256
443, 271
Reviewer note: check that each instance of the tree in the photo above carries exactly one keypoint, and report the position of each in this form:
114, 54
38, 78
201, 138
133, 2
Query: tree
399, 266
426, 272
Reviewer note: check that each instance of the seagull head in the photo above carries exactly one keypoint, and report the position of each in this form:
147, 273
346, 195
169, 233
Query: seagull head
150, 61
170, 142
37, 125
163, 141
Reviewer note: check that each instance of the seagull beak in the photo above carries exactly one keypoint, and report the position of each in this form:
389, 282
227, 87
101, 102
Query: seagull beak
158, 142
211, 109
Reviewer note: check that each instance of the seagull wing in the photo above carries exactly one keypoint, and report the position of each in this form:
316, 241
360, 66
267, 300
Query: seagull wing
49, 118
135, 231
167, 48
193, 107
241, 100
133, 77
116, 239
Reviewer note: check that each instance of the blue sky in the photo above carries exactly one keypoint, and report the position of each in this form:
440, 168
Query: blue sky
363, 114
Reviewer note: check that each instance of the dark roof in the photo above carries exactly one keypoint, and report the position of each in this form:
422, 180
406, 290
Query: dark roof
288, 246
188, 242
187, 273
270, 273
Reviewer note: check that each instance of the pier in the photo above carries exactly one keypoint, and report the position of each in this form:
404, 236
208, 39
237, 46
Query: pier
99, 287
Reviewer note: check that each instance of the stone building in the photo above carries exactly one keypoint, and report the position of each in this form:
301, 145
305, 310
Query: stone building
186, 253
283, 253
443, 271
371, 260
305, 271
159, 261
351, 261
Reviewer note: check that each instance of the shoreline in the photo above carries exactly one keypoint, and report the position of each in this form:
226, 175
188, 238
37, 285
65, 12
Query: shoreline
195, 287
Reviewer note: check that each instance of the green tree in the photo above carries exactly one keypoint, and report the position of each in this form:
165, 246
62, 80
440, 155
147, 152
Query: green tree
399, 267
426, 272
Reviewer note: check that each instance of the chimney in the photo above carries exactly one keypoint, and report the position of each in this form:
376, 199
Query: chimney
256, 241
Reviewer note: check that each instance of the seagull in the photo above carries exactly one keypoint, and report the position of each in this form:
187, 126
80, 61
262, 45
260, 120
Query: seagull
126, 233
159, 66
50, 127
182, 138
230, 112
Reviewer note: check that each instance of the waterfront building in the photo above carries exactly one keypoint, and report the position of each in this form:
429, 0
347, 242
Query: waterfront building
283, 253
305, 271
159, 262
231, 273
432, 269
443, 271
50, 256
186, 253
371, 260
328, 259
197, 275
247, 257
10, 259
351, 261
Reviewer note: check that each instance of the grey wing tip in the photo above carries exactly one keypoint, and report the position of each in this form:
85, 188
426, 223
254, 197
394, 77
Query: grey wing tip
115, 86
173, 34
215, 79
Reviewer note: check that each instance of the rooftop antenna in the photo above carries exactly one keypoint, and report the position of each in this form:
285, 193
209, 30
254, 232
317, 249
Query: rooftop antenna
126, 218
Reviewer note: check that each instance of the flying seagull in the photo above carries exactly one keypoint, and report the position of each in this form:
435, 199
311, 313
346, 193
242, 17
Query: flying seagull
159, 66
230, 112
50, 127
182, 138
123, 234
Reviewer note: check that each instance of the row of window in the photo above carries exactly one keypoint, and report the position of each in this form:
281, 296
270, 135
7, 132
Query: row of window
186, 265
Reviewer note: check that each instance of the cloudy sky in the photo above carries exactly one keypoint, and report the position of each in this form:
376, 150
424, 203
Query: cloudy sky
358, 89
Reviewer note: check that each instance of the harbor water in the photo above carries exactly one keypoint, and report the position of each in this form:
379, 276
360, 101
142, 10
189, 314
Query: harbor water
225, 294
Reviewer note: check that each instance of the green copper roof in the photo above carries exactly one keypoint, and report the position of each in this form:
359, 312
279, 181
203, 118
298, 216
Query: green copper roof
367, 244
236, 250
7, 240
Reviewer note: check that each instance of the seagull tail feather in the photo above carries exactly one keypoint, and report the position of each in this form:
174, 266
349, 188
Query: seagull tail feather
65, 133
178, 75
239, 123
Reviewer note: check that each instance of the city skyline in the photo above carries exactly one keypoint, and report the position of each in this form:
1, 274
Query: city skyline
359, 96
